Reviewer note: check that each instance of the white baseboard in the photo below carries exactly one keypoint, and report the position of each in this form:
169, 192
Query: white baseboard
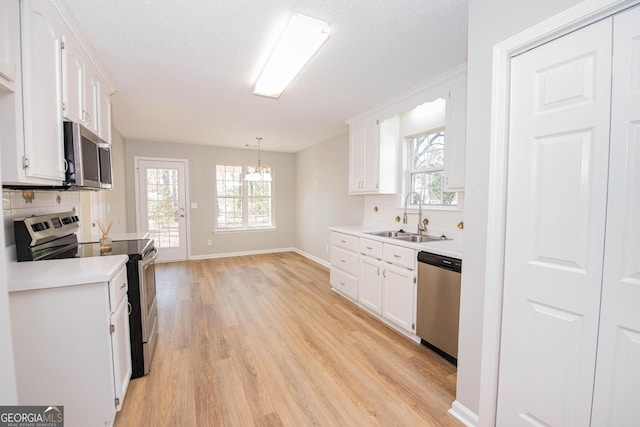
463, 414
313, 258
261, 252
230, 254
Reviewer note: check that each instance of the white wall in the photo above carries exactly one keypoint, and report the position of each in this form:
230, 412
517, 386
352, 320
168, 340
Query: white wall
202, 178
322, 195
490, 22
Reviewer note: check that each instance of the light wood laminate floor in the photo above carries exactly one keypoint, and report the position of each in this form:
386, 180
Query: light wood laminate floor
262, 340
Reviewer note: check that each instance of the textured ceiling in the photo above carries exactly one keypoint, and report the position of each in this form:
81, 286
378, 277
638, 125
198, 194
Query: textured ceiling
185, 68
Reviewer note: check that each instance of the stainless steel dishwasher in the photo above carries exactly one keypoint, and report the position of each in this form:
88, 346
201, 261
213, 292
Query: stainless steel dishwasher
438, 308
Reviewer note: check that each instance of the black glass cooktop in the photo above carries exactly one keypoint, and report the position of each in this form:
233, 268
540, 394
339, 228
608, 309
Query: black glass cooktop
132, 248
135, 249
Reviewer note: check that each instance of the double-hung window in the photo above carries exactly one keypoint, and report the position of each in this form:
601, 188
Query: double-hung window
425, 172
242, 204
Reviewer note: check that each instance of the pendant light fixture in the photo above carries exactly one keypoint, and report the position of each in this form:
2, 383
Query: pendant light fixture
260, 173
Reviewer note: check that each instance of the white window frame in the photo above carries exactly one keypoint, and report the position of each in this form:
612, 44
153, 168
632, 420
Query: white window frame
409, 172
245, 201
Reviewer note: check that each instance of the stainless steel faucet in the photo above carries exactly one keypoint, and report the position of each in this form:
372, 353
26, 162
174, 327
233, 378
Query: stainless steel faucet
421, 226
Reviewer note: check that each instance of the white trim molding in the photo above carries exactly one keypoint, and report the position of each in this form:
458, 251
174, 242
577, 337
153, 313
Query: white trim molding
313, 258
244, 253
463, 414
576, 17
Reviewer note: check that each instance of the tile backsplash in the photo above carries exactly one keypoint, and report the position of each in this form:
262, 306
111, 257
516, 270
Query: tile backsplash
15, 206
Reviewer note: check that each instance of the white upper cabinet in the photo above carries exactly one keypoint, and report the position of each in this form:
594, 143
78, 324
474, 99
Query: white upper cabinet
374, 156
83, 91
376, 138
9, 40
90, 92
42, 29
73, 80
104, 111
455, 137
49, 73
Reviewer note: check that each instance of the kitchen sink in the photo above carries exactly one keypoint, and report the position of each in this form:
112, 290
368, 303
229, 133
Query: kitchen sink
421, 238
408, 237
392, 234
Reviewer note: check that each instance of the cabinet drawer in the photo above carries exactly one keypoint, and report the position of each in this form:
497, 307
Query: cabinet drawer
345, 241
344, 283
399, 255
118, 287
344, 260
371, 248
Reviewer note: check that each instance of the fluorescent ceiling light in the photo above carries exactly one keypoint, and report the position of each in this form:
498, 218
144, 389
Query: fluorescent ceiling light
301, 39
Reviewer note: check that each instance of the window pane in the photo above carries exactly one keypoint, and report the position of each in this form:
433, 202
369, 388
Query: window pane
229, 180
162, 206
229, 200
426, 172
259, 203
235, 194
259, 212
430, 186
427, 151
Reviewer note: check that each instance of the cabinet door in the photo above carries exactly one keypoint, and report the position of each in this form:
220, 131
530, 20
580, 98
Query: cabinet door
617, 383
9, 38
356, 157
371, 157
398, 298
370, 294
91, 97
121, 351
104, 112
363, 156
455, 138
42, 69
72, 80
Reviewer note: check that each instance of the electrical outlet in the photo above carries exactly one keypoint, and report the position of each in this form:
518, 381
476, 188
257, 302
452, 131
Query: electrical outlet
209, 243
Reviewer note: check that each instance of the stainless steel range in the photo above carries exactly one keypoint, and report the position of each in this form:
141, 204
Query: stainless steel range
53, 236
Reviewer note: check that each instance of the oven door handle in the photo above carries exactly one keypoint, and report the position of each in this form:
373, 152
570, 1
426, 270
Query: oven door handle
150, 258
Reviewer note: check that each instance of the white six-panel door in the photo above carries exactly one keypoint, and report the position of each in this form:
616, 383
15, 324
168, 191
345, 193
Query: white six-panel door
617, 388
556, 208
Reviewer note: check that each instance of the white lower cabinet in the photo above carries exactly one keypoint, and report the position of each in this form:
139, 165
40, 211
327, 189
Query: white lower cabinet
384, 282
398, 301
371, 269
344, 264
120, 341
71, 347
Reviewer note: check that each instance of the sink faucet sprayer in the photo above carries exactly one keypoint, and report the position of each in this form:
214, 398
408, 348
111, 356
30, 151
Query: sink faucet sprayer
421, 226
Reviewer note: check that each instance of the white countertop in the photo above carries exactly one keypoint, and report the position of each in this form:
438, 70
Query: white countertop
123, 236
452, 248
30, 275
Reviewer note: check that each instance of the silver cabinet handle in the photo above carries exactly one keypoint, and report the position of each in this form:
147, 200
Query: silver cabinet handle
124, 285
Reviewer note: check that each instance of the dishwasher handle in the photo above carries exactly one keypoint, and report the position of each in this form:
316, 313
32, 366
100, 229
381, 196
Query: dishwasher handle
441, 261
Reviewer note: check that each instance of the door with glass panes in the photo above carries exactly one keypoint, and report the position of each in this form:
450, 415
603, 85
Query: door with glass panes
161, 202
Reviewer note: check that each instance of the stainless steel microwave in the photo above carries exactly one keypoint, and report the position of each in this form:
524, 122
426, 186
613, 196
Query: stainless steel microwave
87, 158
